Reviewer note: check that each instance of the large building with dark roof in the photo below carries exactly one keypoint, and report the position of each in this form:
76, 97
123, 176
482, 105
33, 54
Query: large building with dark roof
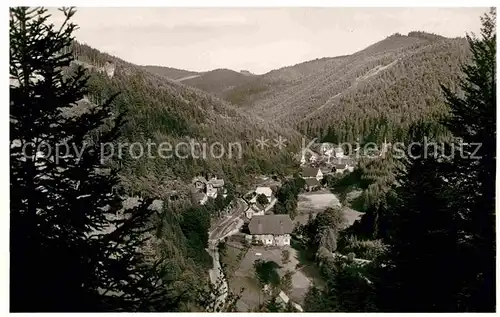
311, 172
271, 230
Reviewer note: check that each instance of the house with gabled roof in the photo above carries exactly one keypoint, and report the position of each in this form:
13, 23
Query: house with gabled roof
312, 184
312, 172
271, 230
340, 168
210, 188
326, 170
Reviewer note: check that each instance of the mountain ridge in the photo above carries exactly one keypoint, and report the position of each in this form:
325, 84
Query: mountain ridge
321, 94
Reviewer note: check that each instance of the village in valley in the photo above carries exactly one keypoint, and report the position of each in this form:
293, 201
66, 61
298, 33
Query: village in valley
252, 230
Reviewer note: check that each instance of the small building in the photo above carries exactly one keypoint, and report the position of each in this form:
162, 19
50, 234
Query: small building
271, 230
267, 191
214, 186
338, 152
326, 148
312, 172
109, 68
326, 170
255, 209
310, 156
341, 168
313, 157
312, 184
216, 182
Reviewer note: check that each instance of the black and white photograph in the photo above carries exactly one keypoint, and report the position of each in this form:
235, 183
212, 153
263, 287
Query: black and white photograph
251, 158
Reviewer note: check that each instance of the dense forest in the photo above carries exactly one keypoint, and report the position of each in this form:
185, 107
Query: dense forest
161, 110
375, 94
389, 97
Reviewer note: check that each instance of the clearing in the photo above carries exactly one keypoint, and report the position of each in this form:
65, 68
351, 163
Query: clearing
314, 202
244, 277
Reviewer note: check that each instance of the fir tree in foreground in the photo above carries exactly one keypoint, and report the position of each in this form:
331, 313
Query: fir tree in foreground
73, 246
474, 120
442, 240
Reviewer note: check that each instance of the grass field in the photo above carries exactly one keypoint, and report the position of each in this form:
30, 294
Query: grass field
314, 202
245, 278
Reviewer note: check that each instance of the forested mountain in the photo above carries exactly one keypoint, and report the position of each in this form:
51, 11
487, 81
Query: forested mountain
397, 85
375, 93
435, 212
162, 110
169, 72
219, 81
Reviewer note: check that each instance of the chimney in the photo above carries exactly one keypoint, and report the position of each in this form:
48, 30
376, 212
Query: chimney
260, 226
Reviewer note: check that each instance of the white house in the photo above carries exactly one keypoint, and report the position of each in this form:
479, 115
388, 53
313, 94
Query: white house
109, 68
214, 185
255, 209
271, 230
313, 158
210, 188
339, 152
264, 190
325, 146
211, 191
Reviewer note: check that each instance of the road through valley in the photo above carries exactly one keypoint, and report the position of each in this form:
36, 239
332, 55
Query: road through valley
227, 226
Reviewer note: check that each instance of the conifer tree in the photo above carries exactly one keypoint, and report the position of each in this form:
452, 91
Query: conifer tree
444, 223
73, 246
424, 237
473, 120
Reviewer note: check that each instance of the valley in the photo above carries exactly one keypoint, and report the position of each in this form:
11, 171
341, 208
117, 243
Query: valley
305, 188
360, 97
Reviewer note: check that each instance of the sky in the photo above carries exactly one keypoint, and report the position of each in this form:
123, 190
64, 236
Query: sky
254, 39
